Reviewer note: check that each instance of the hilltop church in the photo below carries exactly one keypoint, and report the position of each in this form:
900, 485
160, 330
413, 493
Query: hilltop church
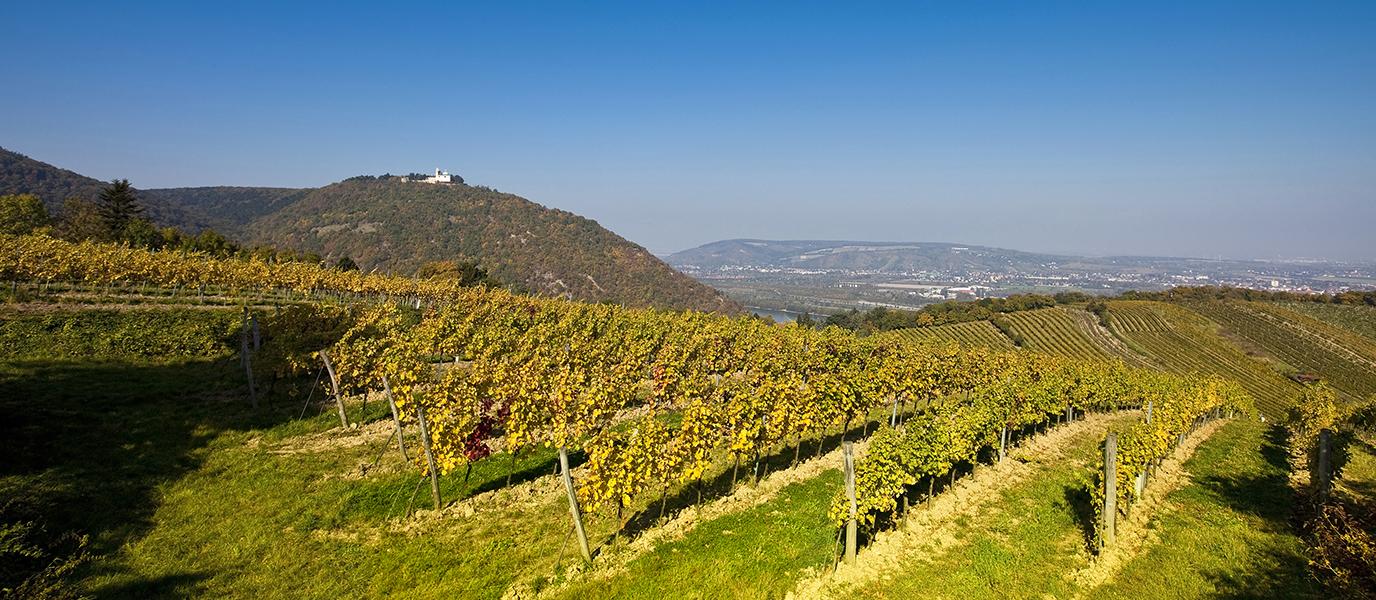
441, 177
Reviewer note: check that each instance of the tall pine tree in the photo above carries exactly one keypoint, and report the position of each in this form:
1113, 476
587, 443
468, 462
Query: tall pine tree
118, 207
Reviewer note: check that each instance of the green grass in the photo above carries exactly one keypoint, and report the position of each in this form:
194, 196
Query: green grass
756, 553
1227, 534
158, 463
1020, 547
1357, 476
184, 491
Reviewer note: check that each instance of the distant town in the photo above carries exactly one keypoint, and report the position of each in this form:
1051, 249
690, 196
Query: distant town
885, 274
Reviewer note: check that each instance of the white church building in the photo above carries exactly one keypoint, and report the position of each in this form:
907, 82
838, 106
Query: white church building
439, 177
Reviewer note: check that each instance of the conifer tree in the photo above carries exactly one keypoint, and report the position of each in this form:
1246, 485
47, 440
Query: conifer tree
118, 207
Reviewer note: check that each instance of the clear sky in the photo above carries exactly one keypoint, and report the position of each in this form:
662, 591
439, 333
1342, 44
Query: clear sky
1242, 129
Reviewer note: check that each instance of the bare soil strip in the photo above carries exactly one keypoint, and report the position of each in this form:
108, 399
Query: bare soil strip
1133, 535
928, 530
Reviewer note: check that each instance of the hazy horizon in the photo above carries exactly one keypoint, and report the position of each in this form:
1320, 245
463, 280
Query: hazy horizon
1218, 130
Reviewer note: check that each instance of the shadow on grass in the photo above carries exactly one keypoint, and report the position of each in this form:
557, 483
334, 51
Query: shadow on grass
521, 474
747, 473
1277, 572
88, 444
1273, 448
1267, 494
1279, 580
1081, 503
180, 585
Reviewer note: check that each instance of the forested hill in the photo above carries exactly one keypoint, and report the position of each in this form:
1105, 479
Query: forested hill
227, 209
397, 226
20, 174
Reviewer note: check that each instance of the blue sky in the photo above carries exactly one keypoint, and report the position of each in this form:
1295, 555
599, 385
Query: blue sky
1241, 129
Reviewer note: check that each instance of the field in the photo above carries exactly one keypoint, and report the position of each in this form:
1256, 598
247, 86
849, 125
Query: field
1053, 331
708, 456
1347, 361
1226, 519
1360, 320
1071, 333
1184, 342
207, 500
1061, 331
974, 333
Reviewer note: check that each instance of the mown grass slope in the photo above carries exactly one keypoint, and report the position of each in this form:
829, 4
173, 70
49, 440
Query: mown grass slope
185, 492
1226, 534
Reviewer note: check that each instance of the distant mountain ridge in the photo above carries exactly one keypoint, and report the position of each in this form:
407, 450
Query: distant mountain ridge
887, 257
908, 257
397, 226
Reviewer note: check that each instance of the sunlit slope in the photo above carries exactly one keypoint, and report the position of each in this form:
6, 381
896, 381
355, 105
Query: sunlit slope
1054, 331
1347, 361
1360, 320
974, 333
1181, 341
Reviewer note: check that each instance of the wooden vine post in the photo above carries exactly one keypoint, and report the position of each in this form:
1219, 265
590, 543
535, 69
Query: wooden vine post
573, 504
247, 362
1003, 443
257, 334
1110, 488
849, 454
396, 418
334, 386
429, 456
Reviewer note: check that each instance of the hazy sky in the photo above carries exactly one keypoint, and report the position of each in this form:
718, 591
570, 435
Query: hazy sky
1210, 129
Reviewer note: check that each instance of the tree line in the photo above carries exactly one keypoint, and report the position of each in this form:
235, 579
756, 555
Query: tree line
951, 311
1211, 292
117, 216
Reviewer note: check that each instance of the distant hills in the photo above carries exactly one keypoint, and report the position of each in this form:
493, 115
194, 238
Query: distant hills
884, 257
20, 174
912, 257
397, 226
827, 276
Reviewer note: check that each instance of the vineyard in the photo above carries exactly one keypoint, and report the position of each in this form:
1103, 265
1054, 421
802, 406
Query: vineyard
547, 429
1360, 320
1054, 331
1183, 342
975, 334
1347, 361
